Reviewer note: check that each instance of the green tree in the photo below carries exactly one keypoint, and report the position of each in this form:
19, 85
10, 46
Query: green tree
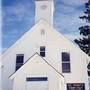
84, 41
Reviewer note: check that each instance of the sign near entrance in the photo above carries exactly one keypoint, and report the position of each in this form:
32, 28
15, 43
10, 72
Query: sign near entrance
75, 86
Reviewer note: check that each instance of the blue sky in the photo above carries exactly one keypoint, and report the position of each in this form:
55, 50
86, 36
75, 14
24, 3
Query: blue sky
18, 17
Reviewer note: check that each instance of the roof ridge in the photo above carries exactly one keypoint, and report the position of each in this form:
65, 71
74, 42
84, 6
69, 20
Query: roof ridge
43, 59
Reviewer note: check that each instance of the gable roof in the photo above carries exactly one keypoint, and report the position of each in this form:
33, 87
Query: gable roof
21, 38
36, 54
44, 22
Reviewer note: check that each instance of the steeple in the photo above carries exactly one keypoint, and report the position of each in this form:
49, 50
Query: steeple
44, 9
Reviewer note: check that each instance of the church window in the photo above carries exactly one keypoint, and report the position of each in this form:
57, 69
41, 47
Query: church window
88, 72
42, 51
19, 61
42, 32
36, 79
88, 68
43, 7
65, 62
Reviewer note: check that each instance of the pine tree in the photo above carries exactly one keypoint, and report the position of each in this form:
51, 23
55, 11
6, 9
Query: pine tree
84, 41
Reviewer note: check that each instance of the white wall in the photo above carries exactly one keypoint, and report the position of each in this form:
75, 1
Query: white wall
55, 44
36, 67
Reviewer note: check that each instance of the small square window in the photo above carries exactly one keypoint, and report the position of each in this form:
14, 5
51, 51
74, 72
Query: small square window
42, 32
42, 51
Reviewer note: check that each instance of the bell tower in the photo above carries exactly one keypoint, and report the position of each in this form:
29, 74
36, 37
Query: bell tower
44, 9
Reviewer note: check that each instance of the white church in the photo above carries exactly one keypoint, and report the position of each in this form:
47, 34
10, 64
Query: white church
43, 59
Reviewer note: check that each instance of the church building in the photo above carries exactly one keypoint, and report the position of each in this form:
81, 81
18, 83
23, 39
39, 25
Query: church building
43, 58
